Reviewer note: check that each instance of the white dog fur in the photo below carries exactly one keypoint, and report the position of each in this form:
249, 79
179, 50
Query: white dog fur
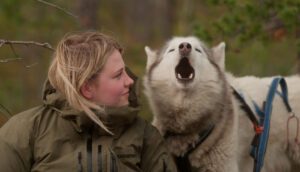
188, 108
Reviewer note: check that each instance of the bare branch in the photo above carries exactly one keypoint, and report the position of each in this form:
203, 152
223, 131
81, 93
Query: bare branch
8, 114
45, 45
13, 50
29, 66
58, 7
10, 59
14, 59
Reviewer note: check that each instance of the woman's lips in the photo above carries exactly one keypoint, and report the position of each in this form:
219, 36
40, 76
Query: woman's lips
125, 94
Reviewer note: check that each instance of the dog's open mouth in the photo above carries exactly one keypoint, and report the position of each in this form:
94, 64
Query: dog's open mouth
184, 71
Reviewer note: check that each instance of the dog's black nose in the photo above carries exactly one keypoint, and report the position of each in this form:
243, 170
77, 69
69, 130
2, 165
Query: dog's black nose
185, 48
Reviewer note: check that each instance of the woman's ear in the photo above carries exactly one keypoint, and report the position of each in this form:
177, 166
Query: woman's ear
86, 90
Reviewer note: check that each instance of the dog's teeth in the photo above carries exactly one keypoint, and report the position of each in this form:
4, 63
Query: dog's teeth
191, 76
179, 76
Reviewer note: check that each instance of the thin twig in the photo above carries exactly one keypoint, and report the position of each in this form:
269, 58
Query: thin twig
57, 7
14, 59
29, 66
8, 114
45, 45
10, 59
13, 50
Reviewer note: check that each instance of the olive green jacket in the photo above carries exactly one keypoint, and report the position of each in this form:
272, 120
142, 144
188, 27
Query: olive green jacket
55, 137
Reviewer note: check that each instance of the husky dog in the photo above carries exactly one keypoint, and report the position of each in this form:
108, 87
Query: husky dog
194, 108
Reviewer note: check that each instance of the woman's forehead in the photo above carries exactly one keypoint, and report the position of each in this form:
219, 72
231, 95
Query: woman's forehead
114, 62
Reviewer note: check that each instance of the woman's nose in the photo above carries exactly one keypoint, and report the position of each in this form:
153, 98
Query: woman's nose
128, 80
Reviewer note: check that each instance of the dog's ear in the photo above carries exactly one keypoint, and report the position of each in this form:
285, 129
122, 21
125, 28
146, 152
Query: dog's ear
219, 55
151, 57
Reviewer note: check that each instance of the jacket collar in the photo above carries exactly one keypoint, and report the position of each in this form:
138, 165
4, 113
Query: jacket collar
115, 118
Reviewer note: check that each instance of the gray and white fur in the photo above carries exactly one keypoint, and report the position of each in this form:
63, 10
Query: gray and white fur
189, 90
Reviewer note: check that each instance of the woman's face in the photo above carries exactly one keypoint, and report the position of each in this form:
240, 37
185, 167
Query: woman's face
111, 86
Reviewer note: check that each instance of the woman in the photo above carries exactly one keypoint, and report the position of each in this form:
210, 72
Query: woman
88, 121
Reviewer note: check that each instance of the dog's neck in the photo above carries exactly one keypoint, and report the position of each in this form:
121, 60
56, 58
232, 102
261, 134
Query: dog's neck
180, 143
184, 142
202, 136
182, 161
192, 128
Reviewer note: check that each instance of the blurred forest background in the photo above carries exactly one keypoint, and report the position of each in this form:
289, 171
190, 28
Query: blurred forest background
262, 36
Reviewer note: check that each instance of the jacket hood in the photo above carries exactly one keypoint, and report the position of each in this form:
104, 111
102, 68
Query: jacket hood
115, 118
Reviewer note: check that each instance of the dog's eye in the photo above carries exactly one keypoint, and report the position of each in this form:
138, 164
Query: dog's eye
198, 50
171, 50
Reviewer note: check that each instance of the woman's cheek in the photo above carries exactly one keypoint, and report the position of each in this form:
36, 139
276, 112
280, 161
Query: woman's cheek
117, 91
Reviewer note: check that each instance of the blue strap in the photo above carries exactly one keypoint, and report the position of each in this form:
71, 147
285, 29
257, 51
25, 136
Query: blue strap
265, 120
244, 105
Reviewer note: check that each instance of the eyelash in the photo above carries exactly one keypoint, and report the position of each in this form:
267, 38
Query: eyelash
195, 49
198, 50
118, 76
171, 50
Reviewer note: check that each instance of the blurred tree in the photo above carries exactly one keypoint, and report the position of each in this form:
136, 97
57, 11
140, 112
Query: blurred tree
137, 23
149, 20
185, 14
87, 11
263, 20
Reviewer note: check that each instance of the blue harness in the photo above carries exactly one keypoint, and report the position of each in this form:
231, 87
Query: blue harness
262, 125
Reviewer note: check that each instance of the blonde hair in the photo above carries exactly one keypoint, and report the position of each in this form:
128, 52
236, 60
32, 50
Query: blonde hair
78, 58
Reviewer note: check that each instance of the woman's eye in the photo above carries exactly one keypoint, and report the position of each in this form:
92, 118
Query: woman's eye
171, 50
118, 75
198, 50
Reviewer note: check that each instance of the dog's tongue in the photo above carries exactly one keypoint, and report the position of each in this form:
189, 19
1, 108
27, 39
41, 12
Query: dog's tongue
184, 71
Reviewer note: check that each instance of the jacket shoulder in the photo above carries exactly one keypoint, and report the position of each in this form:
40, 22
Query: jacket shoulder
22, 129
16, 140
22, 122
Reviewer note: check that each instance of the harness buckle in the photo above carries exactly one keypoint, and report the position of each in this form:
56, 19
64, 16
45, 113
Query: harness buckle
294, 118
258, 129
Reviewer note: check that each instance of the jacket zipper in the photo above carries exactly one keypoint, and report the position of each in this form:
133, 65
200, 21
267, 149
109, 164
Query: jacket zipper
164, 166
79, 162
99, 158
113, 166
89, 152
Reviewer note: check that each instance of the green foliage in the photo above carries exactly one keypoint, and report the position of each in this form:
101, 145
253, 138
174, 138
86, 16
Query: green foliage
11, 9
202, 32
251, 30
248, 20
298, 46
11, 95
